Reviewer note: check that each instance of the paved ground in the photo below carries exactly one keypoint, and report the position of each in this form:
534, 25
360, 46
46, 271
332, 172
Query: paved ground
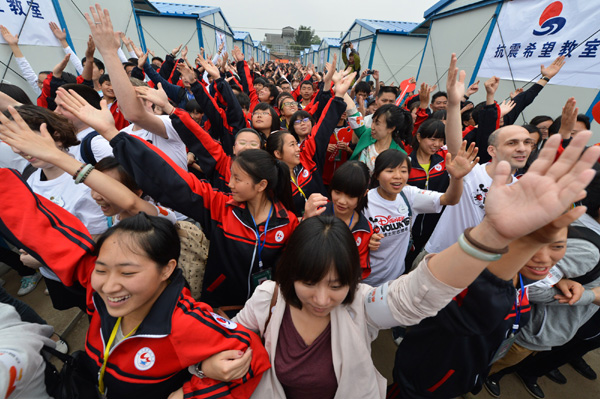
383, 350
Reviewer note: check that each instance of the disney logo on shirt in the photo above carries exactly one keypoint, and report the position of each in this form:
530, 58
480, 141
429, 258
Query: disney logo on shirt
389, 225
479, 196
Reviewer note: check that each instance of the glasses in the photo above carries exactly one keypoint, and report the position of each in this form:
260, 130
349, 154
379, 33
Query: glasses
258, 113
299, 121
290, 104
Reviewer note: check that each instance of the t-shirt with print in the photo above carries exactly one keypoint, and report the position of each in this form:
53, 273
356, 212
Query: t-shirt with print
469, 212
75, 198
391, 218
99, 145
172, 146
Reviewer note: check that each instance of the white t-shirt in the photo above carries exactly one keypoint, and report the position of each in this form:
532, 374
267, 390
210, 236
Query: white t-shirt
391, 218
10, 159
173, 147
74, 198
99, 145
469, 212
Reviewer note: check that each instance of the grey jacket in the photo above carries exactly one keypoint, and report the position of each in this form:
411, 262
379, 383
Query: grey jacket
553, 324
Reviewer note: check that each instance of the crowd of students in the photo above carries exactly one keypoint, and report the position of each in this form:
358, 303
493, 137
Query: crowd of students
330, 213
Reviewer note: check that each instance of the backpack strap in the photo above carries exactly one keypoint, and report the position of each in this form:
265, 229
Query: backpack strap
410, 240
85, 148
584, 233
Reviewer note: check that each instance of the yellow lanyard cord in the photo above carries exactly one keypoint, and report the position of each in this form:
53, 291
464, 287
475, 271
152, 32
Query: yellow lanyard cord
299, 188
113, 334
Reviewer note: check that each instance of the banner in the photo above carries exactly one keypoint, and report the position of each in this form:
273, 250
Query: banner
221, 38
39, 14
530, 33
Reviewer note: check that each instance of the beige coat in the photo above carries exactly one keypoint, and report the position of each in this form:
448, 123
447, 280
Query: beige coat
411, 298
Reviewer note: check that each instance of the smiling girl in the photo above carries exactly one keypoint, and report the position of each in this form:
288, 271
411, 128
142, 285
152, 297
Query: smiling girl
393, 205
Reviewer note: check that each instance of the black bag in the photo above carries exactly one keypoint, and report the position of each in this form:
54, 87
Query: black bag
73, 381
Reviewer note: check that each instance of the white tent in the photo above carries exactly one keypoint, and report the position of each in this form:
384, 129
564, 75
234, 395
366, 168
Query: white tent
328, 47
465, 27
391, 47
244, 41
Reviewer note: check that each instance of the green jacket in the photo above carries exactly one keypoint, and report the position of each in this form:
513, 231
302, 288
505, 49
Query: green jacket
364, 138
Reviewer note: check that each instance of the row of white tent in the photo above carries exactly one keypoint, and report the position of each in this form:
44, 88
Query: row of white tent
399, 50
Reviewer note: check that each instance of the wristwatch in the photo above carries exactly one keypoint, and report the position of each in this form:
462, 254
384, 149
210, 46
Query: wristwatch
196, 369
546, 78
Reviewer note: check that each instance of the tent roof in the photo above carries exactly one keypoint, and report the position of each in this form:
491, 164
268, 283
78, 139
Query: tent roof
240, 35
394, 27
314, 47
332, 41
454, 6
184, 9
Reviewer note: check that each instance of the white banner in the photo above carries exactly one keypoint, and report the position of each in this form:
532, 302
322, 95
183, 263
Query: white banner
530, 33
36, 31
221, 38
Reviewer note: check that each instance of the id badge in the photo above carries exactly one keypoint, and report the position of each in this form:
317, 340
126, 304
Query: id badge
259, 277
503, 349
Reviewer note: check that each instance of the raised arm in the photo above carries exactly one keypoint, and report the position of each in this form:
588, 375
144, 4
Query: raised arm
455, 90
28, 72
61, 35
107, 44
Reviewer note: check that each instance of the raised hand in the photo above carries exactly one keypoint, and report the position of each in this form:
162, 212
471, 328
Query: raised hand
100, 119
60, 67
60, 34
543, 193
553, 68
569, 118
142, 59
465, 160
474, 88
155, 96
455, 89
184, 53
491, 85
91, 48
9, 38
106, 39
506, 106
20, 137
424, 94
516, 92
186, 72
176, 50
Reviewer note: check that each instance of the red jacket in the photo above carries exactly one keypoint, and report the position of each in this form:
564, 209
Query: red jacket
335, 159
120, 121
153, 362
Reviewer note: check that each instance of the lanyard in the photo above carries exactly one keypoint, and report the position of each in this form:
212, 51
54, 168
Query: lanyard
260, 244
518, 305
113, 334
298, 187
351, 219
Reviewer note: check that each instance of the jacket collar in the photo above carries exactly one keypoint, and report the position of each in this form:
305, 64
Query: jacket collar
435, 159
361, 225
158, 320
240, 209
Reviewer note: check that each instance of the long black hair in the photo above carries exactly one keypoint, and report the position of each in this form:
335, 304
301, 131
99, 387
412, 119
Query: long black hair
261, 165
399, 119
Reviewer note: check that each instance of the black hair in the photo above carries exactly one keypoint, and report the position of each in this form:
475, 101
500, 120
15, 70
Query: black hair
476, 110
592, 199
387, 89
431, 128
250, 130
390, 158
111, 163
243, 99
132, 60
90, 95
259, 165
352, 178
306, 82
301, 114
273, 92
235, 87
282, 81
555, 126
275, 141
439, 94
439, 115
104, 78
69, 77
275, 123
539, 119
157, 59
156, 237
281, 96
15, 92
129, 64
585, 120
319, 244
192, 105
466, 116
363, 87
399, 119
531, 128
260, 81
99, 64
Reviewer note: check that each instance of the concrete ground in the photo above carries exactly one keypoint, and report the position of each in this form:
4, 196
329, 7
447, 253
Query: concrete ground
73, 326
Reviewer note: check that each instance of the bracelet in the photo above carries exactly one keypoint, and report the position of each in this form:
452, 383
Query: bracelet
173, 110
546, 78
482, 247
84, 173
78, 171
196, 369
465, 96
475, 252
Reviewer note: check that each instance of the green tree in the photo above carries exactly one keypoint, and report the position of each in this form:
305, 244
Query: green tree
305, 36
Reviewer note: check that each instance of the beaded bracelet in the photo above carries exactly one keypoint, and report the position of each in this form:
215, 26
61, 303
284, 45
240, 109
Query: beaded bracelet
84, 173
78, 171
475, 252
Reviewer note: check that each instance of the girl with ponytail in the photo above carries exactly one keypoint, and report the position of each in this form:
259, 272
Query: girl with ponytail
391, 128
247, 228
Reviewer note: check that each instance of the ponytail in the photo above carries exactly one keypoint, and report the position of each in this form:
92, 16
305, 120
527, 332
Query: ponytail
400, 120
282, 191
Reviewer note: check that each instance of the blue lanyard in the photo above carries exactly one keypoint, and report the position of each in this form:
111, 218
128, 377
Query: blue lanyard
261, 243
351, 219
518, 306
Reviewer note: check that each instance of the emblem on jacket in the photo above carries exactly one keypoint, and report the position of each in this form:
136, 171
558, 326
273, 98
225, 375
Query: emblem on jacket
144, 359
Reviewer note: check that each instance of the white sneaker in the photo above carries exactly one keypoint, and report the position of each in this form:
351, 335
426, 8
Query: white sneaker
28, 283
